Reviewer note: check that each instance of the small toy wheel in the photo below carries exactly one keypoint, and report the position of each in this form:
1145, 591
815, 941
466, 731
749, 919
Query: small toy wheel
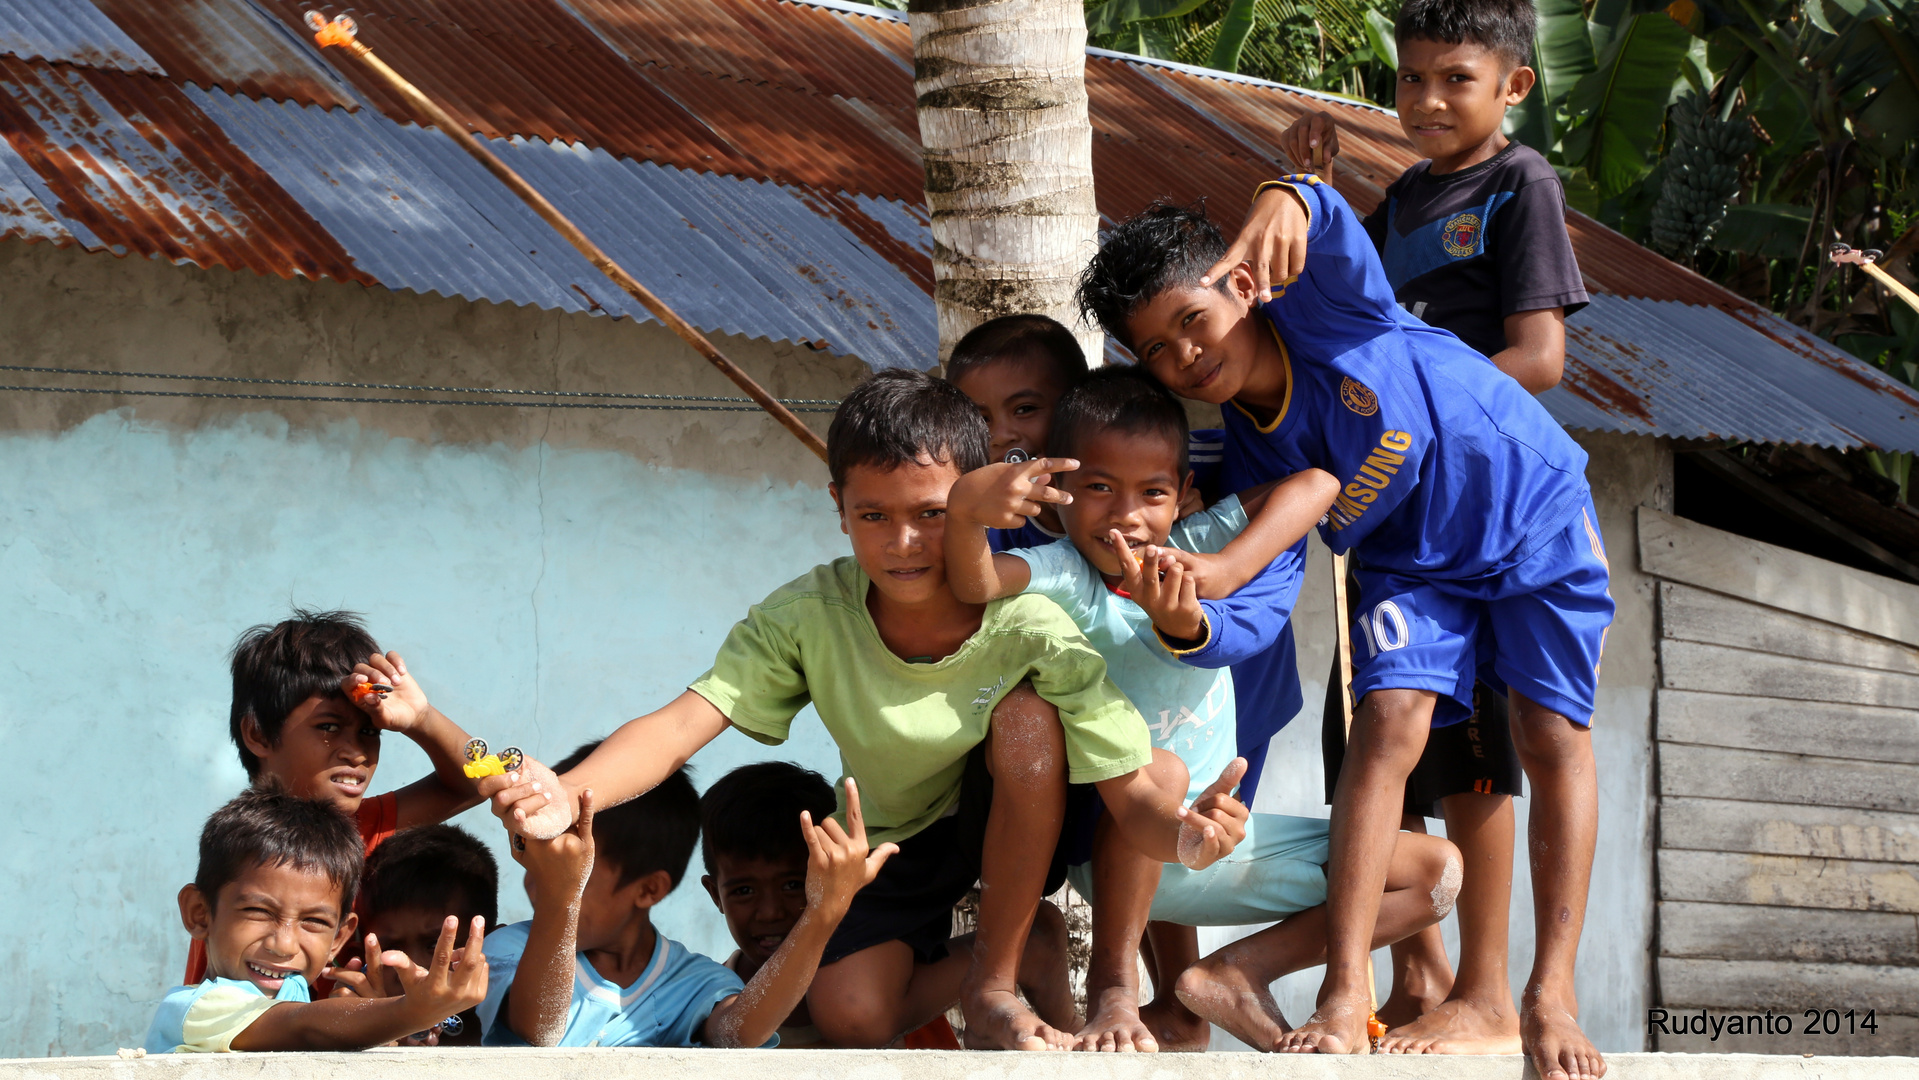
452, 1025
511, 758
1016, 456
316, 22
475, 750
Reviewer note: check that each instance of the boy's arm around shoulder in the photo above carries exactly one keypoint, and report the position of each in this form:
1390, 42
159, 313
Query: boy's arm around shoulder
1278, 515
999, 496
838, 864
1248, 622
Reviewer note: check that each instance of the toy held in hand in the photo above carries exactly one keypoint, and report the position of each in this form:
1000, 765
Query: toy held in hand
479, 763
362, 691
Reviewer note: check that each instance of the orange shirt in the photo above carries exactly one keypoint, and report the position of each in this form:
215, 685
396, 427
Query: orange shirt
376, 818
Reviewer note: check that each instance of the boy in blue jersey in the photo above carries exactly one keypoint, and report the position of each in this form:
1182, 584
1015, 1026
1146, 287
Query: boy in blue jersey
272, 902
591, 943
1468, 509
1119, 438
1474, 241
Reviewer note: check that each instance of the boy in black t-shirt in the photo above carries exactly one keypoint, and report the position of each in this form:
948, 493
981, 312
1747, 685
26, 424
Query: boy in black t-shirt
1474, 241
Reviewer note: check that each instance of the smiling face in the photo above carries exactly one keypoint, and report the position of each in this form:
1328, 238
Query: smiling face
1126, 481
328, 750
761, 899
1453, 98
268, 923
896, 519
1015, 394
1201, 341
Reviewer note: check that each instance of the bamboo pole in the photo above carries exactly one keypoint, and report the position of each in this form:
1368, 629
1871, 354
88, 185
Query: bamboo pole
1868, 261
341, 30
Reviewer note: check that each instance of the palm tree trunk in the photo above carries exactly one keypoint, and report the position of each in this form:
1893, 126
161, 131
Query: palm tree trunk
1008, 153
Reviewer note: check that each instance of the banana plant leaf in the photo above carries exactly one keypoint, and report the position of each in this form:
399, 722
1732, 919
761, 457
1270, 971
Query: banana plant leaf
1620, 109
1233, 31
1770, 230
1379, 34
1562, 55
1113, 15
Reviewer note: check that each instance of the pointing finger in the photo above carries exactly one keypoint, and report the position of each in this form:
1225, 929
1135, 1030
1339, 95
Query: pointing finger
855, 819
1228, 778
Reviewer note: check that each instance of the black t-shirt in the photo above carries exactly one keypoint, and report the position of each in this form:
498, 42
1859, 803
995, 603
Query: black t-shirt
1467, 249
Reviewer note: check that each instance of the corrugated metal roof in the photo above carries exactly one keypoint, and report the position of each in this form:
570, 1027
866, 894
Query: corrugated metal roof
741, 256
231, 45
131, 160
756, 161
73, 31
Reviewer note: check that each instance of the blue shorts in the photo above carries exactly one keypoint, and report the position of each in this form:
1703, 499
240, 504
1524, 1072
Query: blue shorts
1279, 869
1537, 628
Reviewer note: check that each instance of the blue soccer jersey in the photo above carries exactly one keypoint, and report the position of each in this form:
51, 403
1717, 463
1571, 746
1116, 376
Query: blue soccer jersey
1450, 470
666, 1006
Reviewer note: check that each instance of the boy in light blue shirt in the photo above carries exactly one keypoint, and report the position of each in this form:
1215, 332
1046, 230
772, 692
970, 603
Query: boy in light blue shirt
591, 941
1116, 576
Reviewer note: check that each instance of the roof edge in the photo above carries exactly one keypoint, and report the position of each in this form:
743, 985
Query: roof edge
847, 7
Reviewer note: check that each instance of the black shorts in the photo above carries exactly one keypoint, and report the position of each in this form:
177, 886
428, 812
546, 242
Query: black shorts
1475, 754
912, 898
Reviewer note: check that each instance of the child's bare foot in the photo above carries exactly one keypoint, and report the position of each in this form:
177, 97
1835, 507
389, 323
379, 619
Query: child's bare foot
1115, 1025
999, 1020
1043, 973
1459, 1026
1338, 1026
1553, 1041
1412, 999
1174, 1026
1219, 991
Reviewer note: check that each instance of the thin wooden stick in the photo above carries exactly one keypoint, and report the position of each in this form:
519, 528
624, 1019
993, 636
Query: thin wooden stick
1342, 611
340, 32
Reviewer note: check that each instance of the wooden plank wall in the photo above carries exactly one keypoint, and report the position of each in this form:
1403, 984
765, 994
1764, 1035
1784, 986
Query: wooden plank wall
1788, 773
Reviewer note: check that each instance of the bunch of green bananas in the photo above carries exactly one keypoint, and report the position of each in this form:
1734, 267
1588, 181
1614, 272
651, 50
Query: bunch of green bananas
1702, 173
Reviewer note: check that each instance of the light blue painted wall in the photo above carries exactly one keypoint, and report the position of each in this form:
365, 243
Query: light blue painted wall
543, 596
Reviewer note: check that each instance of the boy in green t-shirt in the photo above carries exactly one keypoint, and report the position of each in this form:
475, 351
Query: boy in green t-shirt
962, 724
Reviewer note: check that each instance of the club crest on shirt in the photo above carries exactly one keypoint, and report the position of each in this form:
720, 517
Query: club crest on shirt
1357, 397
1461, 236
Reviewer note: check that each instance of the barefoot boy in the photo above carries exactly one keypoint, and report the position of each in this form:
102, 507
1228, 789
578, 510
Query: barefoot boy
1168, 651
958, 764
1473, 241
1469, 511
271, 902
297, 730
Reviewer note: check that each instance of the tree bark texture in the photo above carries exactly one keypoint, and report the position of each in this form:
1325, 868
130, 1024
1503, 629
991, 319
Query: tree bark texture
1008, 152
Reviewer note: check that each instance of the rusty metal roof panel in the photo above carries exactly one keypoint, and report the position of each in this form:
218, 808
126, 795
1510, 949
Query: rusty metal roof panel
1649, 367
743, 257
131, 159
23, 207
69, 31
232, 45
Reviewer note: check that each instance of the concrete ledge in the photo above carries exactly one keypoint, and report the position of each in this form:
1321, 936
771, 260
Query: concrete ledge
523, 1064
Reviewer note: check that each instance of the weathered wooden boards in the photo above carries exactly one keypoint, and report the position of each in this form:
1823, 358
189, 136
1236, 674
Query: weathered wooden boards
1788, 776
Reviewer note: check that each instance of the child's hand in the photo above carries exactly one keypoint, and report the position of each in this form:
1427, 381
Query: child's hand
1215, 823
838, 865
400, 710
559, 867
1312, 142
1191, 503
530, 801
453, 984
358, 980
1272, 243
1003, 496
1213, 577
1162, 588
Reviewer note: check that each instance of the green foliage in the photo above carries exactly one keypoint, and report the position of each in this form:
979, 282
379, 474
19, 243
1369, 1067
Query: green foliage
1621, 105
1340, 46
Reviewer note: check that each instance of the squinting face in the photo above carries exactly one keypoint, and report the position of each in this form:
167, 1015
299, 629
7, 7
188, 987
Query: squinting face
1453, 98
761, 899
1125, 481
269, 923
896, 519
1198, 340
1016, 395
328, 750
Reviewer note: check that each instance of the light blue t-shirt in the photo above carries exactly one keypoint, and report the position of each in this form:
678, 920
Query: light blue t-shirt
205, 1017
1189, 710
665, 1006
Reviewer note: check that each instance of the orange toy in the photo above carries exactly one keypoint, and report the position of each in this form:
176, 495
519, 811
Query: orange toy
368, 689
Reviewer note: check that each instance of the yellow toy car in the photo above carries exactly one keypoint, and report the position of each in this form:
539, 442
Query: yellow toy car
479, 763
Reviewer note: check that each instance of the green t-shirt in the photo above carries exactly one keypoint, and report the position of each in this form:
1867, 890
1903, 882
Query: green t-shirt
904, 730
